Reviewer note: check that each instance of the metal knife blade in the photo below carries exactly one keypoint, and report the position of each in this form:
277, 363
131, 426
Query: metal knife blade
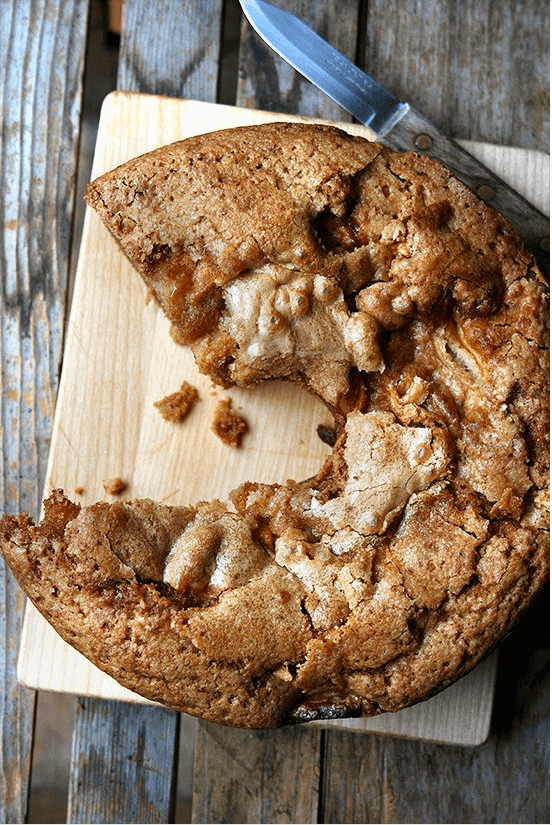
396, 124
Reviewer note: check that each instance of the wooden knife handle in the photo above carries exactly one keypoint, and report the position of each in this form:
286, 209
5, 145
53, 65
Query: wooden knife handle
414, 132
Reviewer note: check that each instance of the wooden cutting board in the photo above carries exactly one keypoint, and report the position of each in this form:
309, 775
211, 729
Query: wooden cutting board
119, 359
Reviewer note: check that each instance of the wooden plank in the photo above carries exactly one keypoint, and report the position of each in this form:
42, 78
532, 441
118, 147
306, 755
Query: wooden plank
17, 706
466, 66
267, 82
171, 48
93, 455
478, 69
122, 763
42, 64
256, 776
53, 732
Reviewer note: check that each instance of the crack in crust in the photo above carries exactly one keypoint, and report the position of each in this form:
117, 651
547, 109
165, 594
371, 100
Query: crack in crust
380, 283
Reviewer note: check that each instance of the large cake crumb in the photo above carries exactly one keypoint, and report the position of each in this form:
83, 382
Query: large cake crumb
176, 406
227, 424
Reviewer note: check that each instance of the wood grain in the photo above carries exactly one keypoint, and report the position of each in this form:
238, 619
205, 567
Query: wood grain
504, 780
171, 48
122, 763
256, 776
42, 65
477, 69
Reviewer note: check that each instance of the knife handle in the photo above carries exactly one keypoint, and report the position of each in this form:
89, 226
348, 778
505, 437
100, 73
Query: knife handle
414, 132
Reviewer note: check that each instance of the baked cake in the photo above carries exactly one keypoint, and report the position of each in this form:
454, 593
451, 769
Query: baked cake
379, 282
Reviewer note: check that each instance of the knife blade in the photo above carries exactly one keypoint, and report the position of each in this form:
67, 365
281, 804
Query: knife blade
395, 123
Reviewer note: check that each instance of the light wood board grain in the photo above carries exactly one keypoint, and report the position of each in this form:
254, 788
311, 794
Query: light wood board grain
119, 359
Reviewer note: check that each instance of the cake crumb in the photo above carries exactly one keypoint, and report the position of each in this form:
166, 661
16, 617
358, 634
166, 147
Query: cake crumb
79, 491
227, 424
115, 486
176, 406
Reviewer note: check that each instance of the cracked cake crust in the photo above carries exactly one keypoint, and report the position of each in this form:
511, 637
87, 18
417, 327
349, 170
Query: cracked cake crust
380, 283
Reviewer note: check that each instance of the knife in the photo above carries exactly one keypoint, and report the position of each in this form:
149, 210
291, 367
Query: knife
396, 124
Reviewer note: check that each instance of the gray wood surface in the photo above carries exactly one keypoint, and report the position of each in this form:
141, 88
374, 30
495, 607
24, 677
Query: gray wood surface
171, 48
41, 71
122, 763
479, 70
256, 776
504, 780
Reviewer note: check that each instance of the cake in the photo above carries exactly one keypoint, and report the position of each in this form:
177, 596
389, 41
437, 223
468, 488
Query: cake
380, 283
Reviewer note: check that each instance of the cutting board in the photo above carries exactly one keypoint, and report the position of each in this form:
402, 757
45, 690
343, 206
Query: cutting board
119, 359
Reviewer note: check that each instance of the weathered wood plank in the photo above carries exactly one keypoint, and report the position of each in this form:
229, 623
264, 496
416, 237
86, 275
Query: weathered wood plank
119, 763
54, 722
16, 707
171, 48
42, 64
268, 82
478, 69
256, 776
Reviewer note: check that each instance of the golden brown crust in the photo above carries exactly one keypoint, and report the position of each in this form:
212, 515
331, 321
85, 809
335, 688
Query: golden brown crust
380, 283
